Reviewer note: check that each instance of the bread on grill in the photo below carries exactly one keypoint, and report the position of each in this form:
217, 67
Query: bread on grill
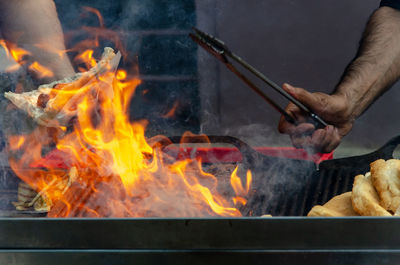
377, 193
339, 205
365, 199
386, 180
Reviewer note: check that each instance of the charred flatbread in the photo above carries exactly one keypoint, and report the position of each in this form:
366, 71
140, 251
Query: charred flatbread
55, 109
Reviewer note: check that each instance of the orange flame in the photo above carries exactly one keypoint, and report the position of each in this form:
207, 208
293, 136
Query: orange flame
172, 111
15, 53
237, 186
21, 57
4, 45
87, 58
16, 142
40, 70
121, 75
18, 54
112, 168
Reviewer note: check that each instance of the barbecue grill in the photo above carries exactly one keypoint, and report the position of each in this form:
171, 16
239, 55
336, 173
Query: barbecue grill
255, 240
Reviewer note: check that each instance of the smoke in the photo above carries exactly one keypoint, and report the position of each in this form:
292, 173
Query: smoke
174, 70
259, 135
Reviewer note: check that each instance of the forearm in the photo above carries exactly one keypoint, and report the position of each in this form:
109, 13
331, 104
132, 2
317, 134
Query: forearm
377, 65
33, 25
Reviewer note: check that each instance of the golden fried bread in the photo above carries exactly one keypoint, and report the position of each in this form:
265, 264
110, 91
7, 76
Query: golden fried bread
338, 206
365, 199
386, 180
321, 211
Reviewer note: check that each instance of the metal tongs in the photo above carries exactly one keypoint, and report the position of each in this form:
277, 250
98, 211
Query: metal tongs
218, 48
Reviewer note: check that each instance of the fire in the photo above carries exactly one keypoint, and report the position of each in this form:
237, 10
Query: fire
21, 57
172, 111
237, 186
15, 142
113, 171
87, 58
19, 54
15, 53
40, 70
121, 75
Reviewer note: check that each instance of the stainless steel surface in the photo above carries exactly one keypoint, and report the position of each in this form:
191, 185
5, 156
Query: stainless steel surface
162, 257
276, 233
361, 240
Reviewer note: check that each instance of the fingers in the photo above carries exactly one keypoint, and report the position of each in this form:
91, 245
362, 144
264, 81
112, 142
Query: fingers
303, 96
304, 135
332, 140
301, 135
284, 126
287, 127
309, 99
322, 140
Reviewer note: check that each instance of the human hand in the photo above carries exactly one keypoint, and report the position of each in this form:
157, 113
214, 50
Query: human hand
333, 109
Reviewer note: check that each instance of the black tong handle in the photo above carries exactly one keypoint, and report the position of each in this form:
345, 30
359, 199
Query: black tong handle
218, 48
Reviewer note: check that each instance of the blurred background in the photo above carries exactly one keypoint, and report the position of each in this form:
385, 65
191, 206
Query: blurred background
304, 43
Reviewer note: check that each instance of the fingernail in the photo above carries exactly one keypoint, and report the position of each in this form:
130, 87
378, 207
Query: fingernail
289, 88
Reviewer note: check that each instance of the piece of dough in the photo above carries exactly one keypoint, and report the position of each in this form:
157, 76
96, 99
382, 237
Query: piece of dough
338, 206
386, 180
365, 199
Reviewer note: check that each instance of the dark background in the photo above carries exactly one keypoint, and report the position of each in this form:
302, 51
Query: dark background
154, 33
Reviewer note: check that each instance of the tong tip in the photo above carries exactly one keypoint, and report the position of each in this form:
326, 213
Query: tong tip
209, 43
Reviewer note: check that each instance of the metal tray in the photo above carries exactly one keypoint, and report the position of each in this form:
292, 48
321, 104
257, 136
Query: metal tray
284, 240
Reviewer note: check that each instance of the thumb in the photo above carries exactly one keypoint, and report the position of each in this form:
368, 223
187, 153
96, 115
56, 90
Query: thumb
302, 95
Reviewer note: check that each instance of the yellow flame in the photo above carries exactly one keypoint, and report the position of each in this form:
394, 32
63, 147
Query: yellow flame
40, 70
18, 54
121, 75
16, 141
116, 171
87, 58
240, 190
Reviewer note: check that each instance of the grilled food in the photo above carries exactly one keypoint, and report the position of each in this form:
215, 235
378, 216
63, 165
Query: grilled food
55, 104
377, 193
338, 206
28, 197
386, 179
365, 199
